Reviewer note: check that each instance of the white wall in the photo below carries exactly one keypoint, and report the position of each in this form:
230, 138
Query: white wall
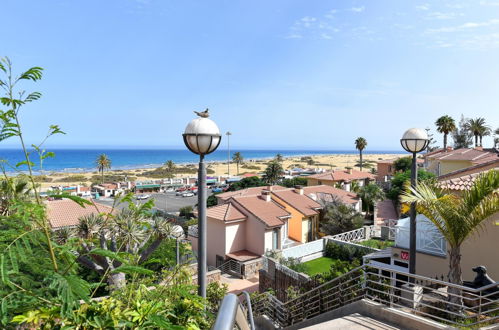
235, 238
268, 240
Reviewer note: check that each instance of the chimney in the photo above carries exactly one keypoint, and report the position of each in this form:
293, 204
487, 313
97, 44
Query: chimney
270, 188
266, 195
449, 149
299, 189
349, 171
479, 148
78, 189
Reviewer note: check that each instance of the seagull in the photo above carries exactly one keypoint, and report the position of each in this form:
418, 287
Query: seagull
204, 114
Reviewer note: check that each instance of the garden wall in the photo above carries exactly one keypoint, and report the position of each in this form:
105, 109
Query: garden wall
305, 252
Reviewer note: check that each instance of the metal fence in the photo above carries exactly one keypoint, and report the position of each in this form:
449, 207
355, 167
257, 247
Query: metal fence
440, 301
192, 231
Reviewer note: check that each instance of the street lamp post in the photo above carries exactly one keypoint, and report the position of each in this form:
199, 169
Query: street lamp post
414, 140
228, 153
202, 137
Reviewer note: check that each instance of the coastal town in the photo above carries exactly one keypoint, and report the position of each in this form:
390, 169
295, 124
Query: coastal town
250, 165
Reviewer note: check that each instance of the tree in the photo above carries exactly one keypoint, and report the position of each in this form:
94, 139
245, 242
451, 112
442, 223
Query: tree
238, 159
461, 135
431, 141
253, 181
103, 163
296, 181
273, 172
477, 128
133, 231
496, 137
402, 164
13, 190
279, 158
337, 218
399, 180
360, 144
445, 125
457, 217
371, 194
170, 169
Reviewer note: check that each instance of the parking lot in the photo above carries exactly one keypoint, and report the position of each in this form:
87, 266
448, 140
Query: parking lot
163, 201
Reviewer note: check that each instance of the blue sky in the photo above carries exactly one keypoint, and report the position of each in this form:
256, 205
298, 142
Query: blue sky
277, 74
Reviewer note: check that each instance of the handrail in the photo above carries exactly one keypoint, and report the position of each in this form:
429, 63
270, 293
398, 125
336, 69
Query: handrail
250, 309
231, 313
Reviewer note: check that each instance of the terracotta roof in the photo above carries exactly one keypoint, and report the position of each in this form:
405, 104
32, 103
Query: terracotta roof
473, 169
327, 192
461, 183
342, 175
65, 212
391, 161
107, 186
302, 203
268, 212
386, 211
224, 212
249, 175
253, 191
473, 155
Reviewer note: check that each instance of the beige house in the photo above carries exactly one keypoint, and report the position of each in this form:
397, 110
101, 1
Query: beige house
442, 162
482, 248
343, 178
247, 224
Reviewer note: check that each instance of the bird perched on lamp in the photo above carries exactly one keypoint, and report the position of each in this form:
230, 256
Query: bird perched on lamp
204, 114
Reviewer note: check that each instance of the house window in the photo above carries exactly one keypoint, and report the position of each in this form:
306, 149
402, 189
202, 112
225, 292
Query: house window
275, 239
320, 182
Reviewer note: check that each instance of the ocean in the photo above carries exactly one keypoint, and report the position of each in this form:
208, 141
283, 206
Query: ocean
81, 160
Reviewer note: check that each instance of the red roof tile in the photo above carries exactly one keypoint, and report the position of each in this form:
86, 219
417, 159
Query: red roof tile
225, 212
327, 192
306, 205
268, 212
342, 175
253, 191
66, 213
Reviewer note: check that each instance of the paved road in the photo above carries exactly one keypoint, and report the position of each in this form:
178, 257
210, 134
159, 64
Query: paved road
162, 201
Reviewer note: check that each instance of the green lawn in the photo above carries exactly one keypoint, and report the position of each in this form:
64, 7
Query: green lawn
318, 266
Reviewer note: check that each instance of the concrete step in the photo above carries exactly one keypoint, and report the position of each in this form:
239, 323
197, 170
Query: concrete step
354, 321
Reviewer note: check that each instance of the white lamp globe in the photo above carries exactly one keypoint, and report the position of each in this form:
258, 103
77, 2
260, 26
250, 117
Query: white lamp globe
202, 136
414, 140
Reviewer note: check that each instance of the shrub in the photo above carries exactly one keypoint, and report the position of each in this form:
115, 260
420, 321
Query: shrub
73, 178
343, 252
186, 212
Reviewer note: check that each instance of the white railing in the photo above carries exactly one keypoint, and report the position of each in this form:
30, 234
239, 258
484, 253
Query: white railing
426, 241
304, 250
192, 231
356, 235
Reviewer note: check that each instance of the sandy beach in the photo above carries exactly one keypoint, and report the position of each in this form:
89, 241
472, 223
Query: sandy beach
328, 162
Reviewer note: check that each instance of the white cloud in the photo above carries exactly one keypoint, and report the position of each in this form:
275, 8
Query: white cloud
358, 9
465, 26
423, 7
443, 16
489, 3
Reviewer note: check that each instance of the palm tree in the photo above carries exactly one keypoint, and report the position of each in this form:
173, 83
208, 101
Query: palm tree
371, 194
445, 125
496, 138
13, 190
103, 163
279, 158
478, 128
273, 172
360, 144
170, 169
484, 131
457, 217
238, 159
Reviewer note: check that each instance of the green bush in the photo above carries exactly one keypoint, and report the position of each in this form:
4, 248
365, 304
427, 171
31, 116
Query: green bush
343, 252
377, 244
186, 212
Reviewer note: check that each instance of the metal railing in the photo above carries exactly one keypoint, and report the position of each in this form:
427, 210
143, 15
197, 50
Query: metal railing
356, 235
232, 313
231, 267
192, 231
426, 241
437, 300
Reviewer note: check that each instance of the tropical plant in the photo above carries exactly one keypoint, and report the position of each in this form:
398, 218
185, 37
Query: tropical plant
279, 158
461, 135
103, 163
238, 159
457, 217
496, 137
12, 191
252, 181
360, 144
273, 172
337, 217
371, 194
296, 181
445, 125
103, 238
431, 141
478, 129
170, 169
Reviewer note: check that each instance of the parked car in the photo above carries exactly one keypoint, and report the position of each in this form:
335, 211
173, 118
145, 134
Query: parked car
216, 190
139, 197
187, 194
